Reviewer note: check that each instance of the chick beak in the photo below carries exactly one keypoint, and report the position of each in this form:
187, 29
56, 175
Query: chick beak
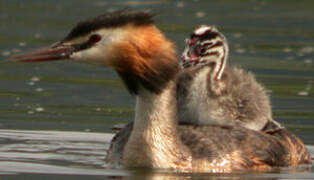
53, 53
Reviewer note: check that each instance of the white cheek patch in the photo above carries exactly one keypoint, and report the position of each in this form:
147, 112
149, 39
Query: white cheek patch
96, 55
106, 41
76, 56
110, 36
86, 55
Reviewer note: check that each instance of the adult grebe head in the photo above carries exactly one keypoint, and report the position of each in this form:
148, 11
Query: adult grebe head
126, 40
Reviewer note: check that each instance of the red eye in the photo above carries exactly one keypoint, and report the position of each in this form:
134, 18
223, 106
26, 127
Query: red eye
95, 38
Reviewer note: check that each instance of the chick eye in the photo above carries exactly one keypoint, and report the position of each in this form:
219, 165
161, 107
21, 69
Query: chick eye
199, 50
202, 50
95, 38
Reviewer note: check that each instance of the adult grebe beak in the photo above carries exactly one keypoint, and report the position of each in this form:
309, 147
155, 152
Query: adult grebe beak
55, 52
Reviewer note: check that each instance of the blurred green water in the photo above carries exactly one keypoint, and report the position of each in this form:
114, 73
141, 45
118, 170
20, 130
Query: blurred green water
272, 38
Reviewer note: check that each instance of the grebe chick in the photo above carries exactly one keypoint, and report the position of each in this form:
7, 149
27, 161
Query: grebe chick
146, 61
211, 92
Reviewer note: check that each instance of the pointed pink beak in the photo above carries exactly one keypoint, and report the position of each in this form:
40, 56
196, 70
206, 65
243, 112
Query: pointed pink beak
53, 53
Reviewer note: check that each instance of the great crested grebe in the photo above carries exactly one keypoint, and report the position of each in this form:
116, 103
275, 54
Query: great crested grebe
146, 61
211, 92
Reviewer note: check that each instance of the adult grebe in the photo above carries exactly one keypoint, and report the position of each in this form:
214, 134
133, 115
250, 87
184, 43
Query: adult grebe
146, 61
211, 92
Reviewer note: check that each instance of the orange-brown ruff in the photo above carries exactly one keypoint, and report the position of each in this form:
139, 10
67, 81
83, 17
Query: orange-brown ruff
156, 140
139, 57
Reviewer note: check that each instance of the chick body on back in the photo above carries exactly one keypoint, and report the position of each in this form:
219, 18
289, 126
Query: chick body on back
209, 92
241, 100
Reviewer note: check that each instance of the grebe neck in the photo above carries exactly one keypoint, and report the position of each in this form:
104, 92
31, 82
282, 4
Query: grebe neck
148, 70
154, 108
154, 141
223, 53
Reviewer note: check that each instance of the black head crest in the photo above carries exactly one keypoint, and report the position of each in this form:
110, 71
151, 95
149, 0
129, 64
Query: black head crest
111, 20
